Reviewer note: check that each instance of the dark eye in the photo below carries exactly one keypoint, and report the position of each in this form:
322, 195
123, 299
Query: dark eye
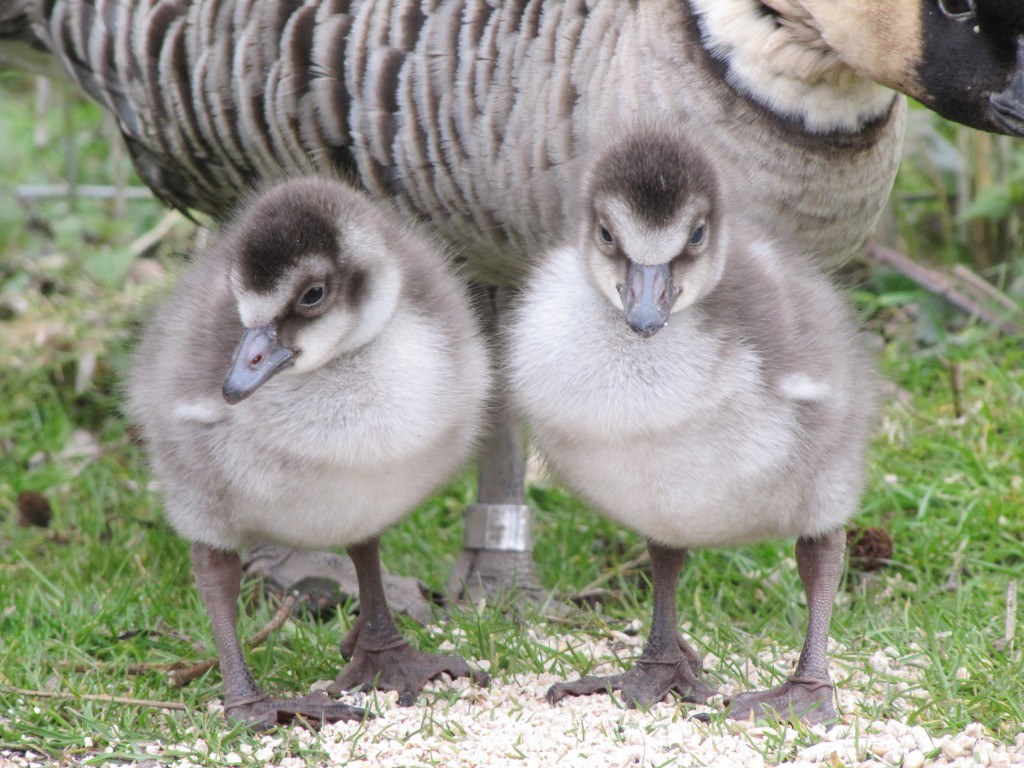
606, 236
313, 296
698, 235
958, 10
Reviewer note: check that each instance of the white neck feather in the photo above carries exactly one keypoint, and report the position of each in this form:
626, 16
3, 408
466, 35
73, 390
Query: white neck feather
784, 63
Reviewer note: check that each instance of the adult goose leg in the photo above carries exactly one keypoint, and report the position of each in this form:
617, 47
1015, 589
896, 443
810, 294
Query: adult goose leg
218, 576
807, 695
497, 549
668, 664
378, 655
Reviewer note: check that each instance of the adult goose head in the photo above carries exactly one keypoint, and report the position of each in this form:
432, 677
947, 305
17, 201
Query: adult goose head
961, 58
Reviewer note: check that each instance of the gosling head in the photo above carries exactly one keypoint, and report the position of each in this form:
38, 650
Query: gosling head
311, 277
652, 234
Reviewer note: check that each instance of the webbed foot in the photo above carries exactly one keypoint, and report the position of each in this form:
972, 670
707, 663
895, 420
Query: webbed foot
316, 708
648, 682
399, 667
805, 699
668, 663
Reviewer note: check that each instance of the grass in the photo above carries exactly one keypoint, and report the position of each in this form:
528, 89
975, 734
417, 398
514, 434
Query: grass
107, 584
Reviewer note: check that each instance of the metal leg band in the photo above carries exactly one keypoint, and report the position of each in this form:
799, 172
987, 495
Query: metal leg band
504, 527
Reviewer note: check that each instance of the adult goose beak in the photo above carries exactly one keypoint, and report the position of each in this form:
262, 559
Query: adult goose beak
647, 297
1008, 106
258, 357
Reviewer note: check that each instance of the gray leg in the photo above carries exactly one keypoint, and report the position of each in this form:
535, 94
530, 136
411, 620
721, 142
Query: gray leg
218, 576
668, 664
808, 694
378, 655
497, 553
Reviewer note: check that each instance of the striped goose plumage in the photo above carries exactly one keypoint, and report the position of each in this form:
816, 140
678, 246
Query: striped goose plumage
473, 113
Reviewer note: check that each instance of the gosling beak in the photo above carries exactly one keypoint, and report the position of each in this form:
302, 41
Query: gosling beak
647, 297
258, 357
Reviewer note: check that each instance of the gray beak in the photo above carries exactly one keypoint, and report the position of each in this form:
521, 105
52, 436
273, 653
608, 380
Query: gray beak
258, 357
1008, 106
647, 297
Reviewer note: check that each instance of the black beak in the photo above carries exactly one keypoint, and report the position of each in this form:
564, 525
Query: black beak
258, 357
647, 297
1008, 106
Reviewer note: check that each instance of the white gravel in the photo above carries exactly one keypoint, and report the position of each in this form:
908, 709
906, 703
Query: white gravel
457, 725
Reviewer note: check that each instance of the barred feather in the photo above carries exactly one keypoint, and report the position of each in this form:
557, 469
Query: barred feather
470, 112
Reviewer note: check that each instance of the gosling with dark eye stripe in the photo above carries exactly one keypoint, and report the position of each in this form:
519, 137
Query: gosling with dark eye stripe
316, 374
701, 386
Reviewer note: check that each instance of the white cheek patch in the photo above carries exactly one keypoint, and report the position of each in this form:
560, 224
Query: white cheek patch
606, 277
378, 307
645, 244
321, 341
700, 278
787, 67
801, 388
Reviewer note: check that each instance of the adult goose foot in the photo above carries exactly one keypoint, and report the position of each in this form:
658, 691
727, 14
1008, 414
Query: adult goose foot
322, 580
485, 574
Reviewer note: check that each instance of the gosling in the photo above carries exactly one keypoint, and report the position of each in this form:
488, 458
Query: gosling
702, 387
316, 374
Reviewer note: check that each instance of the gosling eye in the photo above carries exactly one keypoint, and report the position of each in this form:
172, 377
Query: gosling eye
313, 296
698, 234
958, 10
605, 235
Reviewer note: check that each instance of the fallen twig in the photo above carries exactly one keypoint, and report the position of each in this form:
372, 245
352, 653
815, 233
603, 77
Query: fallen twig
284, 611
98, 697
180, 672
956, 569
132, 669
1011, 616
156, 235
948, 287
983, 286
182, 676
594, 588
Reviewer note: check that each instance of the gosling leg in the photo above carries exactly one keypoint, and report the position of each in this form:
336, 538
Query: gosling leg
668, 664
218, 577
808, 694
378, 655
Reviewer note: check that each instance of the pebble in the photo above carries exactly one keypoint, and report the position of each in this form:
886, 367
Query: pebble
511, 724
